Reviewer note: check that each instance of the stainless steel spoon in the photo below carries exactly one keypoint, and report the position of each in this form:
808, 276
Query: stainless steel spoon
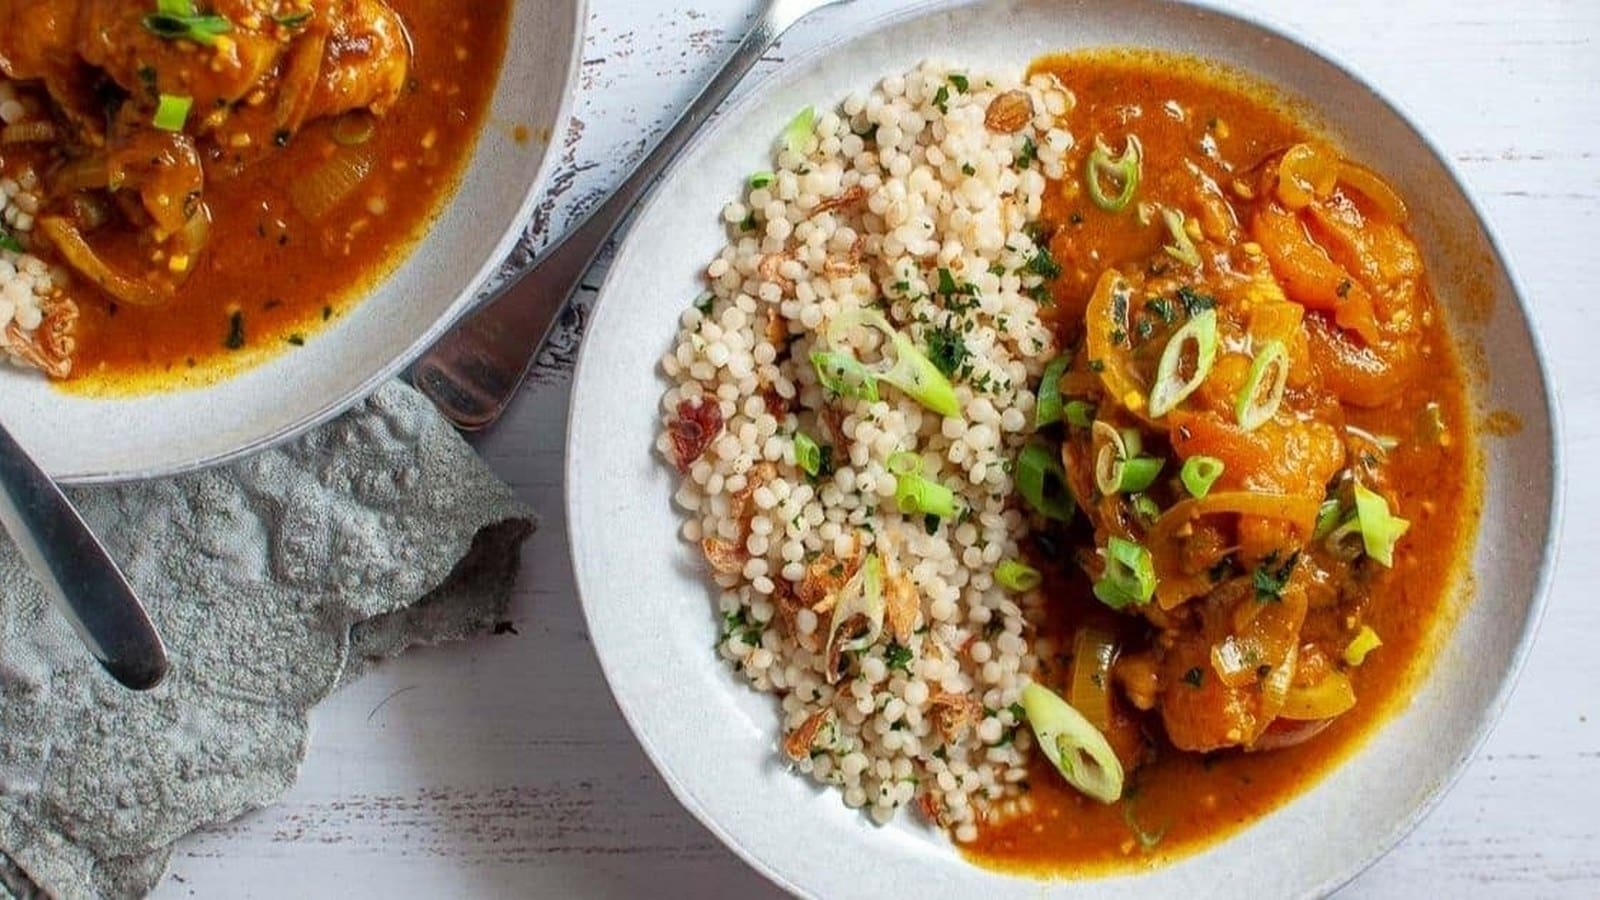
472, 373
75, 570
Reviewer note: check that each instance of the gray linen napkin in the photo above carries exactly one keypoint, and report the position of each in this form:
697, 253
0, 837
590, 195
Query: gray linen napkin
273, 581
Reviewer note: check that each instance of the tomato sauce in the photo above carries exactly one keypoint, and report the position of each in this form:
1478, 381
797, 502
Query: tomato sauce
1191, 118
270, 278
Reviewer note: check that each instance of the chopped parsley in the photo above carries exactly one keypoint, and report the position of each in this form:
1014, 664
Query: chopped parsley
961, 83
749, 223
235, 338
1270, 578
738, 624
952, 290
897, 657
297, 339
941, 99
704, 304
1162, 309
7, 242
1028, 153
967, 169
1194, 677
1043, 264
147, 78
947, 350
1194, 302
1221, 570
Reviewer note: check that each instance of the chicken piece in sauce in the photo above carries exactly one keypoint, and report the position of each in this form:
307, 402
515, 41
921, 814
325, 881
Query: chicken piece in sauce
245, 77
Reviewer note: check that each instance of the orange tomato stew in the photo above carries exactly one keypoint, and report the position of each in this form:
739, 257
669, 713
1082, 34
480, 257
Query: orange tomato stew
218, 183
1264, 424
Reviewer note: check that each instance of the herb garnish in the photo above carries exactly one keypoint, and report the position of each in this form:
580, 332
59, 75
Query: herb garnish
1027, 154
182, 20
1195, 302
897, 657
1270, 578
1043, 264
947, 350
235, 338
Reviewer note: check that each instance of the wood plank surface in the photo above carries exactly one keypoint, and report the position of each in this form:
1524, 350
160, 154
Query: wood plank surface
502, 768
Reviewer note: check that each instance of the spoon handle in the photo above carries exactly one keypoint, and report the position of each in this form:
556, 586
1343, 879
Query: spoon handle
472, 373
75, 571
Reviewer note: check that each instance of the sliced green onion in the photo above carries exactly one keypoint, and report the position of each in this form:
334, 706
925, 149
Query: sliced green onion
1117, 467
762, 179
186, 25
1182, 247
1080, 413
912, 371
1199, 474
1380, 529
1123, 171
1328, 516
807, 455
176, 7
843, 375
1073, 745
1339, 541
904, 463
1171, 387
172, 112
1042, 482
1251, 408
799, 129
1049, 408
1139, 473
1147, 508
1108, 458
1365, 641
1130, 576
1015, 575
1132, 441
914, 494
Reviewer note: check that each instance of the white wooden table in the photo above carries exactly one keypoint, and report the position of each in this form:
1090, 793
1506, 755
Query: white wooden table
502, 768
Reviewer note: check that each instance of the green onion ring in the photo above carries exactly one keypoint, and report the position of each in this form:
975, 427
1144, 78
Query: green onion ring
1171, 388
1250, 408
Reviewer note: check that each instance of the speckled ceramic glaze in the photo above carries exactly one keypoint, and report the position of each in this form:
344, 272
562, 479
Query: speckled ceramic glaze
649, 605
80, 439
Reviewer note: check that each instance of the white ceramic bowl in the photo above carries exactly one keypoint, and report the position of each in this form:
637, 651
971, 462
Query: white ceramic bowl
84, 440
650, 608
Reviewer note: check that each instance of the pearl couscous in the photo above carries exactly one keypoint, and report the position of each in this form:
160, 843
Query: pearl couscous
901, 218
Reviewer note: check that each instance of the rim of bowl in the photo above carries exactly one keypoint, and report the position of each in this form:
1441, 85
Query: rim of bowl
1486, 719
466, 300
